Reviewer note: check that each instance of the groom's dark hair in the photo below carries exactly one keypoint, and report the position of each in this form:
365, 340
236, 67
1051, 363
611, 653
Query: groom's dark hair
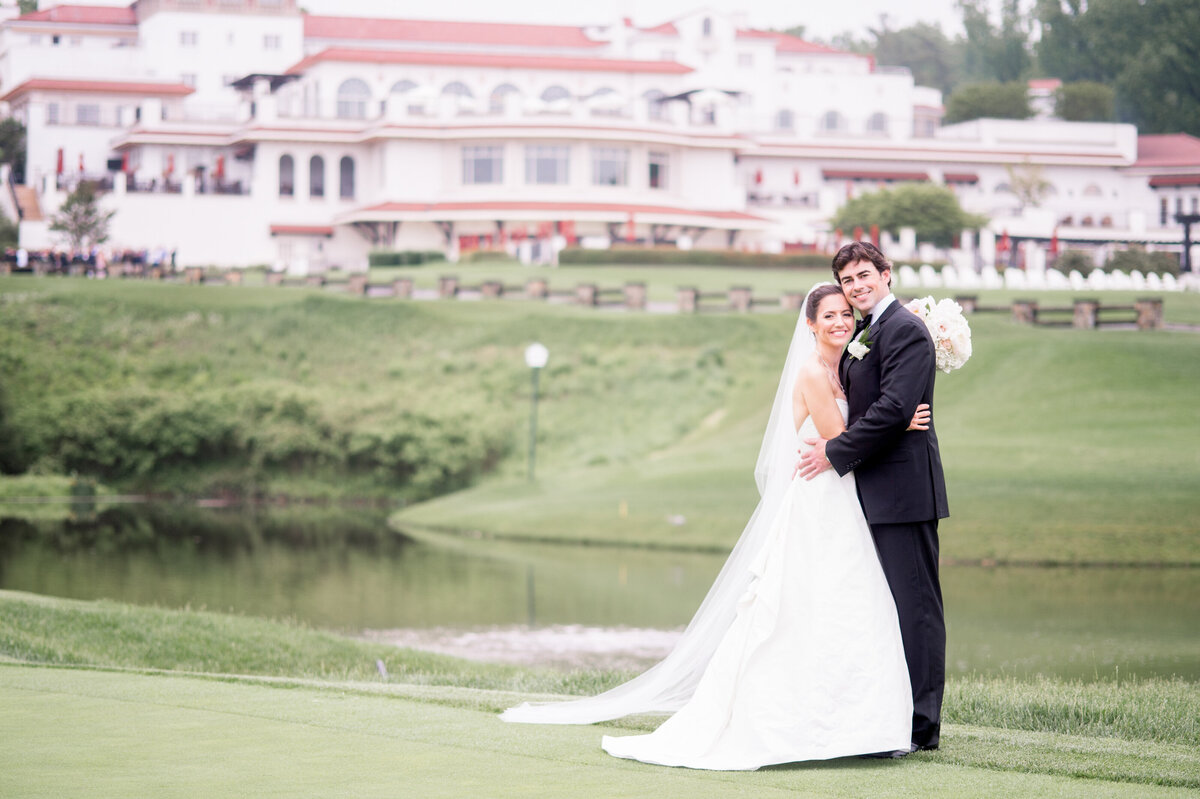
859, 251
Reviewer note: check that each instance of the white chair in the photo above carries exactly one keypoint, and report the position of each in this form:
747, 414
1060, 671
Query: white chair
1076, 281
1057, 280
929, 277
950, 277
1097, 280
1169, 283
1154, 282
908, 277
1137, 280
1014, 279
991, 278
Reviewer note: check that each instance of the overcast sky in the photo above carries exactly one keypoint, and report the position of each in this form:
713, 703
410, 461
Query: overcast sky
821, 18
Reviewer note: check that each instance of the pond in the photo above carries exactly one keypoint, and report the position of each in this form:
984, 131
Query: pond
345, 570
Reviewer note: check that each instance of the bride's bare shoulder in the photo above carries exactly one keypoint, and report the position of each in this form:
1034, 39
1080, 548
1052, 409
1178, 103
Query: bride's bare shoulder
812, 378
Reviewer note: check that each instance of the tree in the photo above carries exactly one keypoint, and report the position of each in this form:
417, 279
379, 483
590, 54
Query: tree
1028, 183
933, 211
1085, 101
80, 218
933, 59
9, 232
995, 100
996, 53
27, 6
12, 147
1148, 52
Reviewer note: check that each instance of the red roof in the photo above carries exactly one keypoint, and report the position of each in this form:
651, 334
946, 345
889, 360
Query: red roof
517, 61
786, 43
302, 230
860, 174
1045, 83
1159, 181
411, 30
666, 29
99, 87
960, 177
1170, 149
83, 15
556, 210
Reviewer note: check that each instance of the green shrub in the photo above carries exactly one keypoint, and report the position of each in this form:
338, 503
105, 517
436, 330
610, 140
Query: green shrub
806, 260
1159, 263
404, 257
1075, 260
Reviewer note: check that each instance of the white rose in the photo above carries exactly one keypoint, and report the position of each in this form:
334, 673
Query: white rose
857, 349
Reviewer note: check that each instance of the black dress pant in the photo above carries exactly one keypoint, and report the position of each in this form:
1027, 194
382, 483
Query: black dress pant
909, 555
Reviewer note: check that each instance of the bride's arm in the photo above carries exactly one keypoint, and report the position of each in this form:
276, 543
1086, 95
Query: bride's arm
813, 384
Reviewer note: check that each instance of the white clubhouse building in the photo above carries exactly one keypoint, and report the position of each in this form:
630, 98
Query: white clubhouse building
239, 132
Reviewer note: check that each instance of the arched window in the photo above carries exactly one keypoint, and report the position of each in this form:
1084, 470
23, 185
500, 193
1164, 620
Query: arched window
457, 89
553, 93
833, 122
316, 176
655, 108
500, 97
402, 87
287, 176
346, 177
1002, 188
1092, 190
785, 120
877, 123
352, 97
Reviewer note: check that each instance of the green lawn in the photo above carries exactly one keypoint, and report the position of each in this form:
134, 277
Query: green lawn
119, 701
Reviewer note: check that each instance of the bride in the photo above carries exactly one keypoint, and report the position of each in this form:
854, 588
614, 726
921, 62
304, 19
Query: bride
795, 653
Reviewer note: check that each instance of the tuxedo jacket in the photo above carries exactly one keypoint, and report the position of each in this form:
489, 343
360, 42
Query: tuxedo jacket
898, 471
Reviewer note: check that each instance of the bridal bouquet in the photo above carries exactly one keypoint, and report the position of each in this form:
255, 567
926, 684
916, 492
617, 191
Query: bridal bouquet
949, 328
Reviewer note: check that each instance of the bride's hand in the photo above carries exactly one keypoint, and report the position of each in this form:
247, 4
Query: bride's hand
920, 420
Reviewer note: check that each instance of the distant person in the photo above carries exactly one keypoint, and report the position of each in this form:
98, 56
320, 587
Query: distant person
796, 652
22, 258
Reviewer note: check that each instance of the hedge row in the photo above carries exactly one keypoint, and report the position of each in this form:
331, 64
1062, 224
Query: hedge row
130, 435
404, 257
1158, 263
803, 260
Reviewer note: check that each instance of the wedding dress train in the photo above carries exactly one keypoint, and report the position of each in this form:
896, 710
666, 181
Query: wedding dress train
812, 666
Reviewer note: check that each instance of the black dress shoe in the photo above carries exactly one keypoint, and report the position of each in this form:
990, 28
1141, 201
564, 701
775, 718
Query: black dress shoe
924, 747
886, 755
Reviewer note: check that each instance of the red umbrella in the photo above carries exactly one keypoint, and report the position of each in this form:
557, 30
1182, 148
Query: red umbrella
125, 161
170, 170
1004, 244
758, 177
81, 163
59, 170
1054, 242
795, 177
875, 235
219, 171
630, 229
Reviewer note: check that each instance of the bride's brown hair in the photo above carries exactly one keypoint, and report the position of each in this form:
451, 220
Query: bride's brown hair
815, 297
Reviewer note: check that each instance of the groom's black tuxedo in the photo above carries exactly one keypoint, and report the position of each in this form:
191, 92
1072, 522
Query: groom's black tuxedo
903, 491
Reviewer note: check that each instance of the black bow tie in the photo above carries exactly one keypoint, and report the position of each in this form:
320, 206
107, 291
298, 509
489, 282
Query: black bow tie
862, 324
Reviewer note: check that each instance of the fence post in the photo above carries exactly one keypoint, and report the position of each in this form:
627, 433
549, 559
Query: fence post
194, 274
316, 281
491, 289
791, 300
403, 286
536, 289
1085, 314
739, 298
273, 278
1149, 313
687, 299
357, 284
585, 294
635, 296
1025, 311
968, 302
447, 287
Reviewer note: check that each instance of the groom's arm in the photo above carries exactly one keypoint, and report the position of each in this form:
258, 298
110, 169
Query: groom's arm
904, 374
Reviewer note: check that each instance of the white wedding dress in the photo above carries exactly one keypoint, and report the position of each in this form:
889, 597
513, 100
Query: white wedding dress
812, 666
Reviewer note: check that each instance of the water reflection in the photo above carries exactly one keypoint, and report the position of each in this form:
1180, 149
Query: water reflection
343, 569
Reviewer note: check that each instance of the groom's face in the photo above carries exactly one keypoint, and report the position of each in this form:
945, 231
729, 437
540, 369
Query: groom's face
864, 285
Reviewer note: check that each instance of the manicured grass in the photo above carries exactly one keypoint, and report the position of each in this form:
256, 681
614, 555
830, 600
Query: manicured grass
273, 709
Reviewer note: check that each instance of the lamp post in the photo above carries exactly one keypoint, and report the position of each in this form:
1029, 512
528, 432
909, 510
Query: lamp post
536, 355
1187, 220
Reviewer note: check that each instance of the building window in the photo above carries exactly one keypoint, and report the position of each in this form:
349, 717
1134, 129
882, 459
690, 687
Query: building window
1163, 210
1092, 190
656, 109
745, 59
785, 120
287, 176
87, 114
877, 123
188, 38
833, 122
352, 99
35, 39
346, 175
483, 164
316, 176
554, 93
52, 113
707, 26
658, 170
610, 166
547, 164
75, 41
500, 97
272, 41
188, 79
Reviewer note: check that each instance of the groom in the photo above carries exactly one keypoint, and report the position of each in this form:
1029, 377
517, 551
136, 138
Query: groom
898, 473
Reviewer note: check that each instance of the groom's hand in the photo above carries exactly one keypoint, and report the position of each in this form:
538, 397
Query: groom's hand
814, 461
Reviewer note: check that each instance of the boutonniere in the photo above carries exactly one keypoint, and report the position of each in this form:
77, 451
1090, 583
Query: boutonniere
859, 348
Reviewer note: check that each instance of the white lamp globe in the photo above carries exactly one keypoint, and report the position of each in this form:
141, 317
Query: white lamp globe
536, 355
